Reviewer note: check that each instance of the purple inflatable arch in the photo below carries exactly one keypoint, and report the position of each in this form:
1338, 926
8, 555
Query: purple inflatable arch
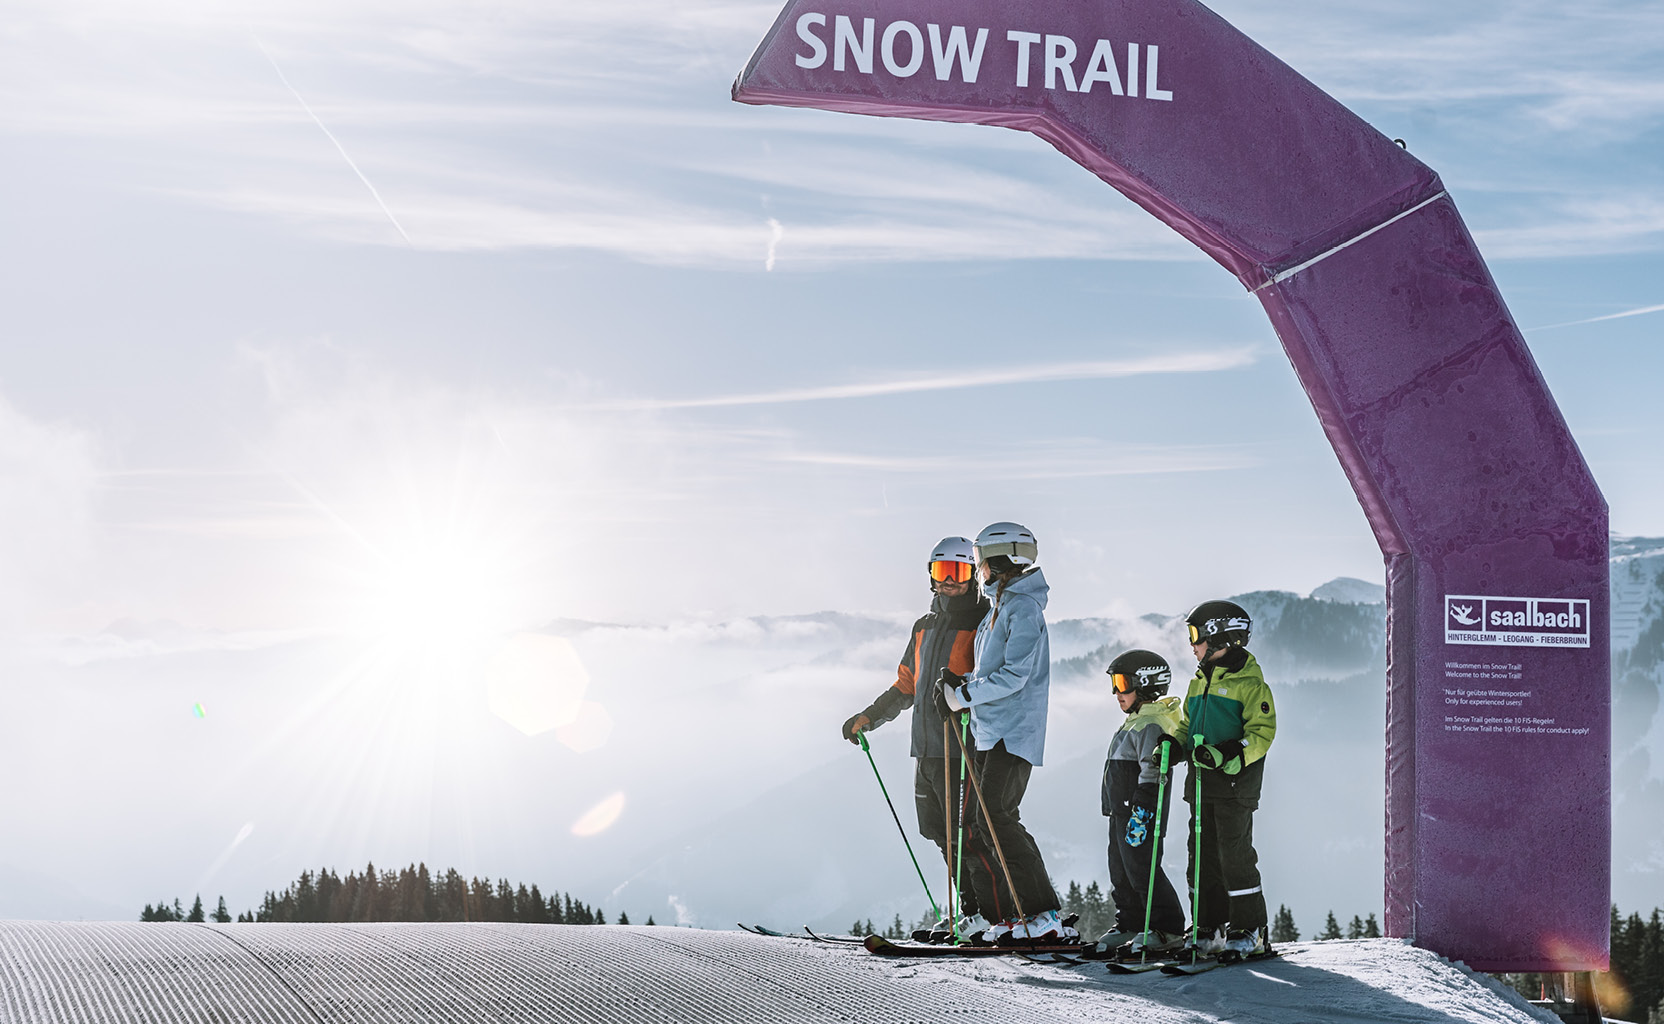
1494, 533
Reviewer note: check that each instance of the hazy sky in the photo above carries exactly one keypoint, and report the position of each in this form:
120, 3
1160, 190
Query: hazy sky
407, 325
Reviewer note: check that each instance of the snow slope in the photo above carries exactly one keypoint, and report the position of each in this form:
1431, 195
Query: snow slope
319, 974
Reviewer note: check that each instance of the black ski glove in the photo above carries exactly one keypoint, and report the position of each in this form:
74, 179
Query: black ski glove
1145, 797
947, 680
857, 724
1226, 757
889, 704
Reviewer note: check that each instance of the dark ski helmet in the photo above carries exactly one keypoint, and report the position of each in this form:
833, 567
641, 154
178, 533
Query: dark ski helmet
1219, 624
1145, 673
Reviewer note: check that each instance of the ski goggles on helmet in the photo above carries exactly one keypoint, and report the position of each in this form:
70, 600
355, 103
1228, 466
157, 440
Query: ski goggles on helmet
945, 571
1195, 634
1122, 682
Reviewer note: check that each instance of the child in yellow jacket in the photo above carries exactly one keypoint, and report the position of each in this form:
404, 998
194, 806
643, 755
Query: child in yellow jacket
1228, 722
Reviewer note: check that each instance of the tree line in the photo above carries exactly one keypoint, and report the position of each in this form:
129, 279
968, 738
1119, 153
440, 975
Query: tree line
409, 894
1634, 988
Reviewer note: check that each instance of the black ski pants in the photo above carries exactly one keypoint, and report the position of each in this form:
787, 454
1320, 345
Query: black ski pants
1129, 875
1004, 778
1227, 869
939, 803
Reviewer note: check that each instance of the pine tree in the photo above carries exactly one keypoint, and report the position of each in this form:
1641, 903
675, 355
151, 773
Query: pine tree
1282, 926
1649, 980
222, 915
537, 908
1371, 929
895, 931
600, 916
1355, 930
178, 911
246, 917
870, 930
855, 929
1331, 928
1075, 901
623, 918
1096, 914
650, 921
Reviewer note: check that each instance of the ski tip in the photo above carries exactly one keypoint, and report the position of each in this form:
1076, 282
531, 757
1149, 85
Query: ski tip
876, 943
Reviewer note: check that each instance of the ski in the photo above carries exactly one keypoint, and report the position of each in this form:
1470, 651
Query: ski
1050, 959
757, 929
881, 946
1135, 967
842, 940
1210, 963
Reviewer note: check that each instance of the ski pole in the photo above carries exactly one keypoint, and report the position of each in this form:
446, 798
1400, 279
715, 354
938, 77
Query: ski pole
987, 818
1155, 850
947, 819
964, 799
935, 911
1196, 858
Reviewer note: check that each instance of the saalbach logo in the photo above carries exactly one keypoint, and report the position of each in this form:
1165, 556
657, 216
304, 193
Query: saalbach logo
1516, 621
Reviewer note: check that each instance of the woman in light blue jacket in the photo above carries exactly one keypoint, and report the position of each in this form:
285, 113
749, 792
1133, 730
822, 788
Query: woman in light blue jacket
1007, 696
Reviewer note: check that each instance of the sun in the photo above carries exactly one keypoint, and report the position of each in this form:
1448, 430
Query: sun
437, 597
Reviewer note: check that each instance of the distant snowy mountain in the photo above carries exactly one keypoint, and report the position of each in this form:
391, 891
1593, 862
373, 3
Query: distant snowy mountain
1637, 725
1347, 590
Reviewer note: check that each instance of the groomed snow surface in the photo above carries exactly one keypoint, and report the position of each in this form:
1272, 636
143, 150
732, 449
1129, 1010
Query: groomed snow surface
456, 973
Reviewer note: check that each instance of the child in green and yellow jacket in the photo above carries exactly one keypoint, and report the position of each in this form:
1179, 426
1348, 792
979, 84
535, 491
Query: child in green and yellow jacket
1228, 723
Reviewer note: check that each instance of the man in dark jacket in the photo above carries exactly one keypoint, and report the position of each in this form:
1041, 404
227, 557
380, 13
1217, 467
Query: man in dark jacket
940, 640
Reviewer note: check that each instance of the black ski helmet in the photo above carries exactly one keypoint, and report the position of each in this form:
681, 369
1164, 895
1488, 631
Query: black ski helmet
1145, 673
1218, 624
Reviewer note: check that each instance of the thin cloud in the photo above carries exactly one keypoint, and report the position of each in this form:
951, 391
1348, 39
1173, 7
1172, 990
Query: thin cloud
1054, 460
1184, 362
1643, 311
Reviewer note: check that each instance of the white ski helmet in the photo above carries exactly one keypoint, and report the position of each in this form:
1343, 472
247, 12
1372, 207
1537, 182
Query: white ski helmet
1005, 546
954, 549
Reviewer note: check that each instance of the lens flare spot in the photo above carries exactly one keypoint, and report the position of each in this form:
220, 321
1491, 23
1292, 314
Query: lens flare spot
536, 683
201, 712
589, 731
600, 817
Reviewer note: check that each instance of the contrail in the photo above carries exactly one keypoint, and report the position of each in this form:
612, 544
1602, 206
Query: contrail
1183, 362
1610, 316
338, 147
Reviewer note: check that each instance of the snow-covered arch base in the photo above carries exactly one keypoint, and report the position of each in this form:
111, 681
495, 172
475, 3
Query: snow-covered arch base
1494, 532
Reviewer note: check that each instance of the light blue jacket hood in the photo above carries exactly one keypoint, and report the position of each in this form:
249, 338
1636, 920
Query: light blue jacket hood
1008, 690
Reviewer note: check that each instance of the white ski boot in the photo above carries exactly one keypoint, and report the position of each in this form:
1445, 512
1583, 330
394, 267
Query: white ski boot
1244, 945
992, 935
1207, 944
1154, 942
1045, 926
1108, 945
960, 931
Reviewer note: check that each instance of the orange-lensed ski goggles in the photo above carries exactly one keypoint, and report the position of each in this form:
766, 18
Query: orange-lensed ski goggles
1122, 682
958, 572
